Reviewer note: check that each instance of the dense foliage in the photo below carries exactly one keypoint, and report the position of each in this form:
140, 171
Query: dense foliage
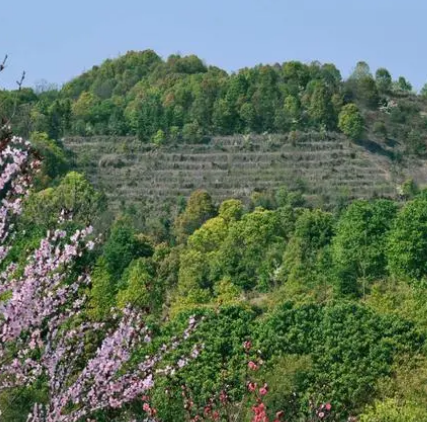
181, 99
296, 312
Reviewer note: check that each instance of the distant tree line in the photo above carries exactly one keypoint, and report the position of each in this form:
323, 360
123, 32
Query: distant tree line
181, 99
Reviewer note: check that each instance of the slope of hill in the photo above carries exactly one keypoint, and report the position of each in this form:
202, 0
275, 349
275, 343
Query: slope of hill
326, 168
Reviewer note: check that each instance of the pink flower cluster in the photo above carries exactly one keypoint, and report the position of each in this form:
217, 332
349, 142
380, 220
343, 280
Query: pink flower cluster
221, 407
259, 408
41, 317
16, 165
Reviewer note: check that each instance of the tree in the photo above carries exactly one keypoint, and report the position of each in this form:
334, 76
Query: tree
321, 109
140, 287
390, 410
409, 189
407, 243
248, 116
102, 295
415, 142
199, 209
313, 233
43, 337
55, 162
359, 247
403, 85
194, 283
383, 80
251, 251
367, 92
361, 71
159, 138
84, 106
224, 117
363, 86
423, 91
123, 246
350, 121
74, 194
231, 210
150, 116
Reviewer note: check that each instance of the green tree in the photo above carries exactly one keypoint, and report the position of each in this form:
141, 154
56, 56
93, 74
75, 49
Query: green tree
199, 209
123, 246
361, 71
359, 247
407, 243
224, 117
350, 121
313, 233
362, 85
423, 91
102, 296
415, 142
321, 109
252, 250
383, 80
403, 85
231, 210
159, 138
391, 410
140, 287
248, 116
73, 195
194, 284
54, 160
150, 116
192, 132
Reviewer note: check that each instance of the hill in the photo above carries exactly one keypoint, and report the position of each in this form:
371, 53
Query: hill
153, 128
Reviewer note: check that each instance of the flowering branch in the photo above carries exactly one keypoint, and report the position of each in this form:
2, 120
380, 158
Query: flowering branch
41, 332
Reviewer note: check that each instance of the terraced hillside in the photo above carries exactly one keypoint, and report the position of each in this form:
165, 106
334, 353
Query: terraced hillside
325, 167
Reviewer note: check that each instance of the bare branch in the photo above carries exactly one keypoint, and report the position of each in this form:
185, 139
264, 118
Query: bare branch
21, 81
3, 64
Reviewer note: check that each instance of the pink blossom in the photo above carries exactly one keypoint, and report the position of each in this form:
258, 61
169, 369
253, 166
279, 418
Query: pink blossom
252, 366
263, 390
43, 299
252, 386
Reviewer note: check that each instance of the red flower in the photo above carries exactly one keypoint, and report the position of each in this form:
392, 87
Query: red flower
253, 366
279, 414
263, 390
252, 386
328, 406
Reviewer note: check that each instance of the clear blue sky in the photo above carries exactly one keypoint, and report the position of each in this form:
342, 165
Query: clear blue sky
58, 39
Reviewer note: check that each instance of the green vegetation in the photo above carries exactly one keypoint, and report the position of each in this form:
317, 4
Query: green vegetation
315, 291
181, 99
325, 276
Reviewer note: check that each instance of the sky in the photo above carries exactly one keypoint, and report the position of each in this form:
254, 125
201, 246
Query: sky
56, 40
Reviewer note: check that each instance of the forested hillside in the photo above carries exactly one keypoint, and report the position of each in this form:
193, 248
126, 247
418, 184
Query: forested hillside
291, 289
305, 313
182, 99
133, 123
